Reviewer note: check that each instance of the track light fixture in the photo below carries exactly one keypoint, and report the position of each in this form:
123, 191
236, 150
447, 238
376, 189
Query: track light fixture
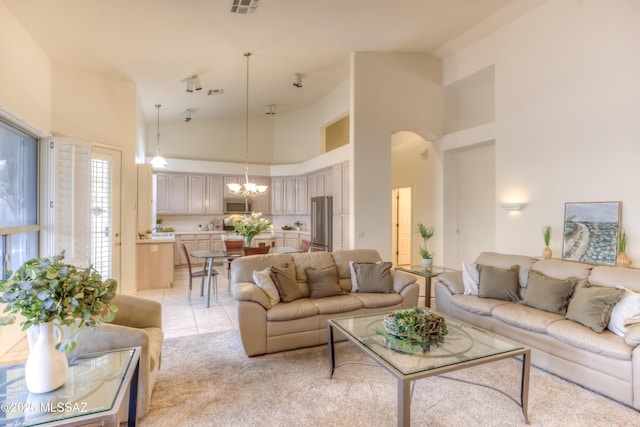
270, 109
297, 82
193, 82
186, 115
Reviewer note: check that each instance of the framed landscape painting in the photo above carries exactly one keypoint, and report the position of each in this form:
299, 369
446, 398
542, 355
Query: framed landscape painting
591, 232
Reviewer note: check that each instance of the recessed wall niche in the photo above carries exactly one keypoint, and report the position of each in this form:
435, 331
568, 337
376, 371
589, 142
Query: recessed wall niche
470, 101
335, 134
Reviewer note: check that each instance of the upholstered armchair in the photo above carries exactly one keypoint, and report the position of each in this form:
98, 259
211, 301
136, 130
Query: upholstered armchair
138, 323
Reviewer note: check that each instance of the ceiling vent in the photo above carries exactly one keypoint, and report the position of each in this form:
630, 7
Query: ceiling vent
243, 7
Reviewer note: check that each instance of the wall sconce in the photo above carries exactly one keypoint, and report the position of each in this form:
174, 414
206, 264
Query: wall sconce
513, 206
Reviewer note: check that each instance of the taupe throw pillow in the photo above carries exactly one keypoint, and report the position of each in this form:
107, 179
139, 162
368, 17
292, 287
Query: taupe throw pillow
548, 294
374, 277
285, 280
591, 306
323, 282
498, 283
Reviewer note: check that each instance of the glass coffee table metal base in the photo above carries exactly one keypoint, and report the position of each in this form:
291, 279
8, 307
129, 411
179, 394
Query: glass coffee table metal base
464, 346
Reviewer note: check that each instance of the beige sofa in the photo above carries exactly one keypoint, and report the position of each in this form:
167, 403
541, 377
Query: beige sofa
138, 323
604, 362
267, 328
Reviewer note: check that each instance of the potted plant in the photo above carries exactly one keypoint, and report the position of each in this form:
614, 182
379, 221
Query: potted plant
49, 294
546, 234
426, 233
159, 222
622, 260
298, 225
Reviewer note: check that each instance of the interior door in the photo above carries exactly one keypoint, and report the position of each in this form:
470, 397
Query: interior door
401, 226
105, 212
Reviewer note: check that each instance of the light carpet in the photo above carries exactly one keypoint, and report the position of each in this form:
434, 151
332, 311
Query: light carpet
206, 380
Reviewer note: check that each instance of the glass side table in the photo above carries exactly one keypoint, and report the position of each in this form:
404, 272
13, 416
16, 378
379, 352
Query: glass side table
93, 392
427, 272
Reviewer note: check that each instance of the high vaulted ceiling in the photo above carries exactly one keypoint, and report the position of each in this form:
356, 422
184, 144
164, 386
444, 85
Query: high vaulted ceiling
158, 43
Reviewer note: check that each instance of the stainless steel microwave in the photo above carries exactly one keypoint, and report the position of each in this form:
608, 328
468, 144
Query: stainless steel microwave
238, 206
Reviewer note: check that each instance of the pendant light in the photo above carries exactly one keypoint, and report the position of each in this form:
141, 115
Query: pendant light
158, 161
248, 189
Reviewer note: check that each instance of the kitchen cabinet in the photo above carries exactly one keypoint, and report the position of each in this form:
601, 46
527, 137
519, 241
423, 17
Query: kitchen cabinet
144, 199
200, 241
197, 194
171, 194
289, 195
340, 232
301, 196
215, 194
154, 264
340, 185
277, 195
261, 203
188, 240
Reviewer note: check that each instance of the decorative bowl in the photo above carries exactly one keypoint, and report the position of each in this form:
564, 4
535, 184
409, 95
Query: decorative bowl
286, 227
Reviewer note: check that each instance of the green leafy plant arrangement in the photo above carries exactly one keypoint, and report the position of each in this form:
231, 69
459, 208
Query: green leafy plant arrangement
48, 290
426, 233
622, 242
415, 329
546, 234
250, 226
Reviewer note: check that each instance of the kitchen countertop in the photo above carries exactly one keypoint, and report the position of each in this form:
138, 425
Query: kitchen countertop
156, 240
231, 232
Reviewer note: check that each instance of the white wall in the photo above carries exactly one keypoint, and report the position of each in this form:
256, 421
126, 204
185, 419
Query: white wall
566, 129
390, 92
25, 73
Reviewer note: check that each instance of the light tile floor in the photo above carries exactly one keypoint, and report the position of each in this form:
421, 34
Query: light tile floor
178, 317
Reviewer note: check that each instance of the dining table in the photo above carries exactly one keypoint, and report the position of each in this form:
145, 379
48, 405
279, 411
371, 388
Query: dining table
210, 256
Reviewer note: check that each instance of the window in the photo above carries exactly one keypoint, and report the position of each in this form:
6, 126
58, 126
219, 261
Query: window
19, 228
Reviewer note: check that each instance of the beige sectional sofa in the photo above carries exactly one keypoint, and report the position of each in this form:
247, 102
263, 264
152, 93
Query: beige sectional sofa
605, 362
266, 327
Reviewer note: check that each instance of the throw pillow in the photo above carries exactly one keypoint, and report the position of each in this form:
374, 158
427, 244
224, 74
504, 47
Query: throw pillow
498, 283
374, 277
548, 294
470, 278
591, 306
354, 279
263, 280
323, 282
628, 308
285, 280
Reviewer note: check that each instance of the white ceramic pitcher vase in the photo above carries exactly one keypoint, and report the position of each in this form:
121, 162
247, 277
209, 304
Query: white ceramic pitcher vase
46, 367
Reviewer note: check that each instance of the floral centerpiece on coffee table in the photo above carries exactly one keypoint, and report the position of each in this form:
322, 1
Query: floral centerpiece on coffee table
249, 226
413, 330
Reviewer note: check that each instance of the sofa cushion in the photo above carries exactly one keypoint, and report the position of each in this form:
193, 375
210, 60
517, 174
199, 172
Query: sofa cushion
297, 309
506, 261
591, 306
323, 282
475, 305
470, 278
377, 300
337, 304
548, 294
606, 343
498, 283
285, 279
264, 281
342, 258
625, 313
374, 277
559, 269
525, 317
316, 259
616, 277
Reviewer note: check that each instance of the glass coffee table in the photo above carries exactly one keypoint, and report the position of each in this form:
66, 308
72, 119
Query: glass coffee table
94, 391
464, 346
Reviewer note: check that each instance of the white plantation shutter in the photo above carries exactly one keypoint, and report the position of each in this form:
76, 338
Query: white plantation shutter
72, 205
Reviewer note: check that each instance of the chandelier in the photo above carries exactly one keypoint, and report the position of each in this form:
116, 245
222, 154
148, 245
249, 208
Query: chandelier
158, 161
248, 189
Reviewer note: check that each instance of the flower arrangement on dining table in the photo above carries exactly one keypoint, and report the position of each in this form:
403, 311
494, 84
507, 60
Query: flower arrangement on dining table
250, 226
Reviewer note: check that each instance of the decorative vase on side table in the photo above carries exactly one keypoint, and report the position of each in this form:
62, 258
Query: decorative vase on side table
622, 260
546, 234
546, 253
46, 367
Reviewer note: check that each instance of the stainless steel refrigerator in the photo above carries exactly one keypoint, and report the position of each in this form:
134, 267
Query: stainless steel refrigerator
322, 223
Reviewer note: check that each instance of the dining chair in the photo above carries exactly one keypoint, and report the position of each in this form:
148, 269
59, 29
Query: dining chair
202, 274
256, 251
305, 245
232, 247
